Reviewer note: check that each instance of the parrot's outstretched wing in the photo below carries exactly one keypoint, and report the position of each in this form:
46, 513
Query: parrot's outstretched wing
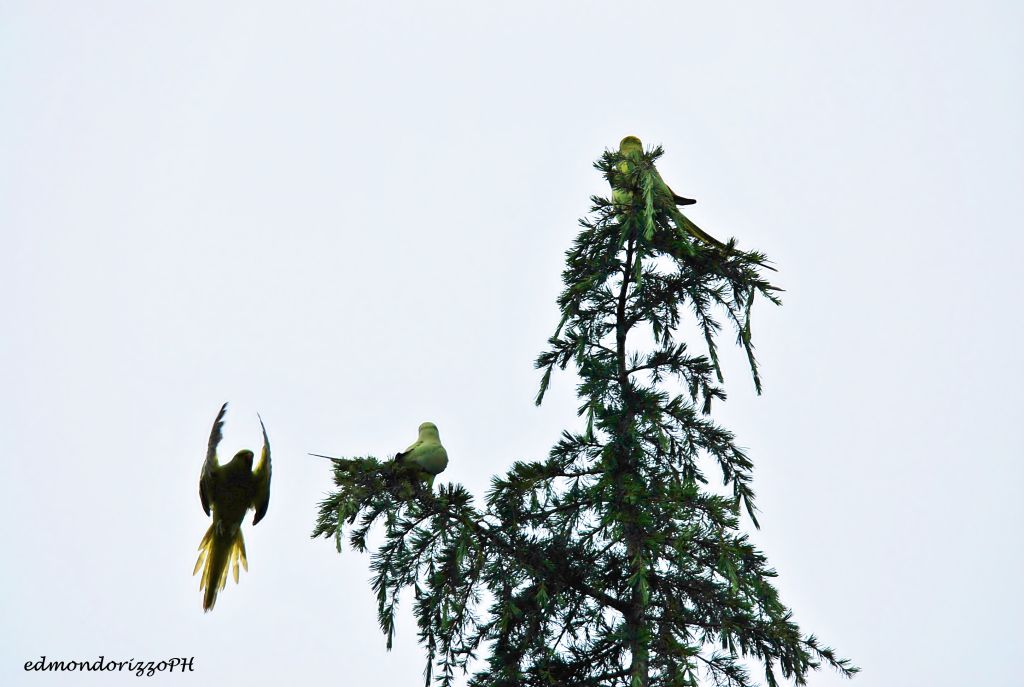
262, 476
210, 464
403, 454
667, 191
678, 199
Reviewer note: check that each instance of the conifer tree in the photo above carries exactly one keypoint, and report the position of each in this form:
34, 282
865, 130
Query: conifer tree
614, 561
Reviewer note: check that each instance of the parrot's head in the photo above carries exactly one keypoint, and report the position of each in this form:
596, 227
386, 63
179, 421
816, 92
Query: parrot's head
245, 455
428, 430
631, 145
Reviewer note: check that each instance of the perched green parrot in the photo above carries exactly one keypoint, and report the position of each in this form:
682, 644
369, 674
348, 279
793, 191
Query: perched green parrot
427, 452
630, 148
230, 490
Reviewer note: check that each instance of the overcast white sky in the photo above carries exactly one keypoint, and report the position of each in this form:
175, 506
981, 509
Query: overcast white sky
352, 219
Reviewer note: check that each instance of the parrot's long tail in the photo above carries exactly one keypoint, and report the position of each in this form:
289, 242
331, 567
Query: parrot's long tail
219, 550
684, 224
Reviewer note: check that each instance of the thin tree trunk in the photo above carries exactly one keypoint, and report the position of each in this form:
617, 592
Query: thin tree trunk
635, 616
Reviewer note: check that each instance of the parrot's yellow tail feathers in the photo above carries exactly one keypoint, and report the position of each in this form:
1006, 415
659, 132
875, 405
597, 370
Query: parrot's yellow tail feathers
217, 552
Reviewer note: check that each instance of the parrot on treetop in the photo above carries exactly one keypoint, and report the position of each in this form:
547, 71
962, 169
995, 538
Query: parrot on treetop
230, 490
427, 452
631, 149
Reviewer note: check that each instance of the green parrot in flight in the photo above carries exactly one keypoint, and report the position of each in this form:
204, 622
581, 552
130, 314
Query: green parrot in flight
427, 452
230, 490
630, 148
